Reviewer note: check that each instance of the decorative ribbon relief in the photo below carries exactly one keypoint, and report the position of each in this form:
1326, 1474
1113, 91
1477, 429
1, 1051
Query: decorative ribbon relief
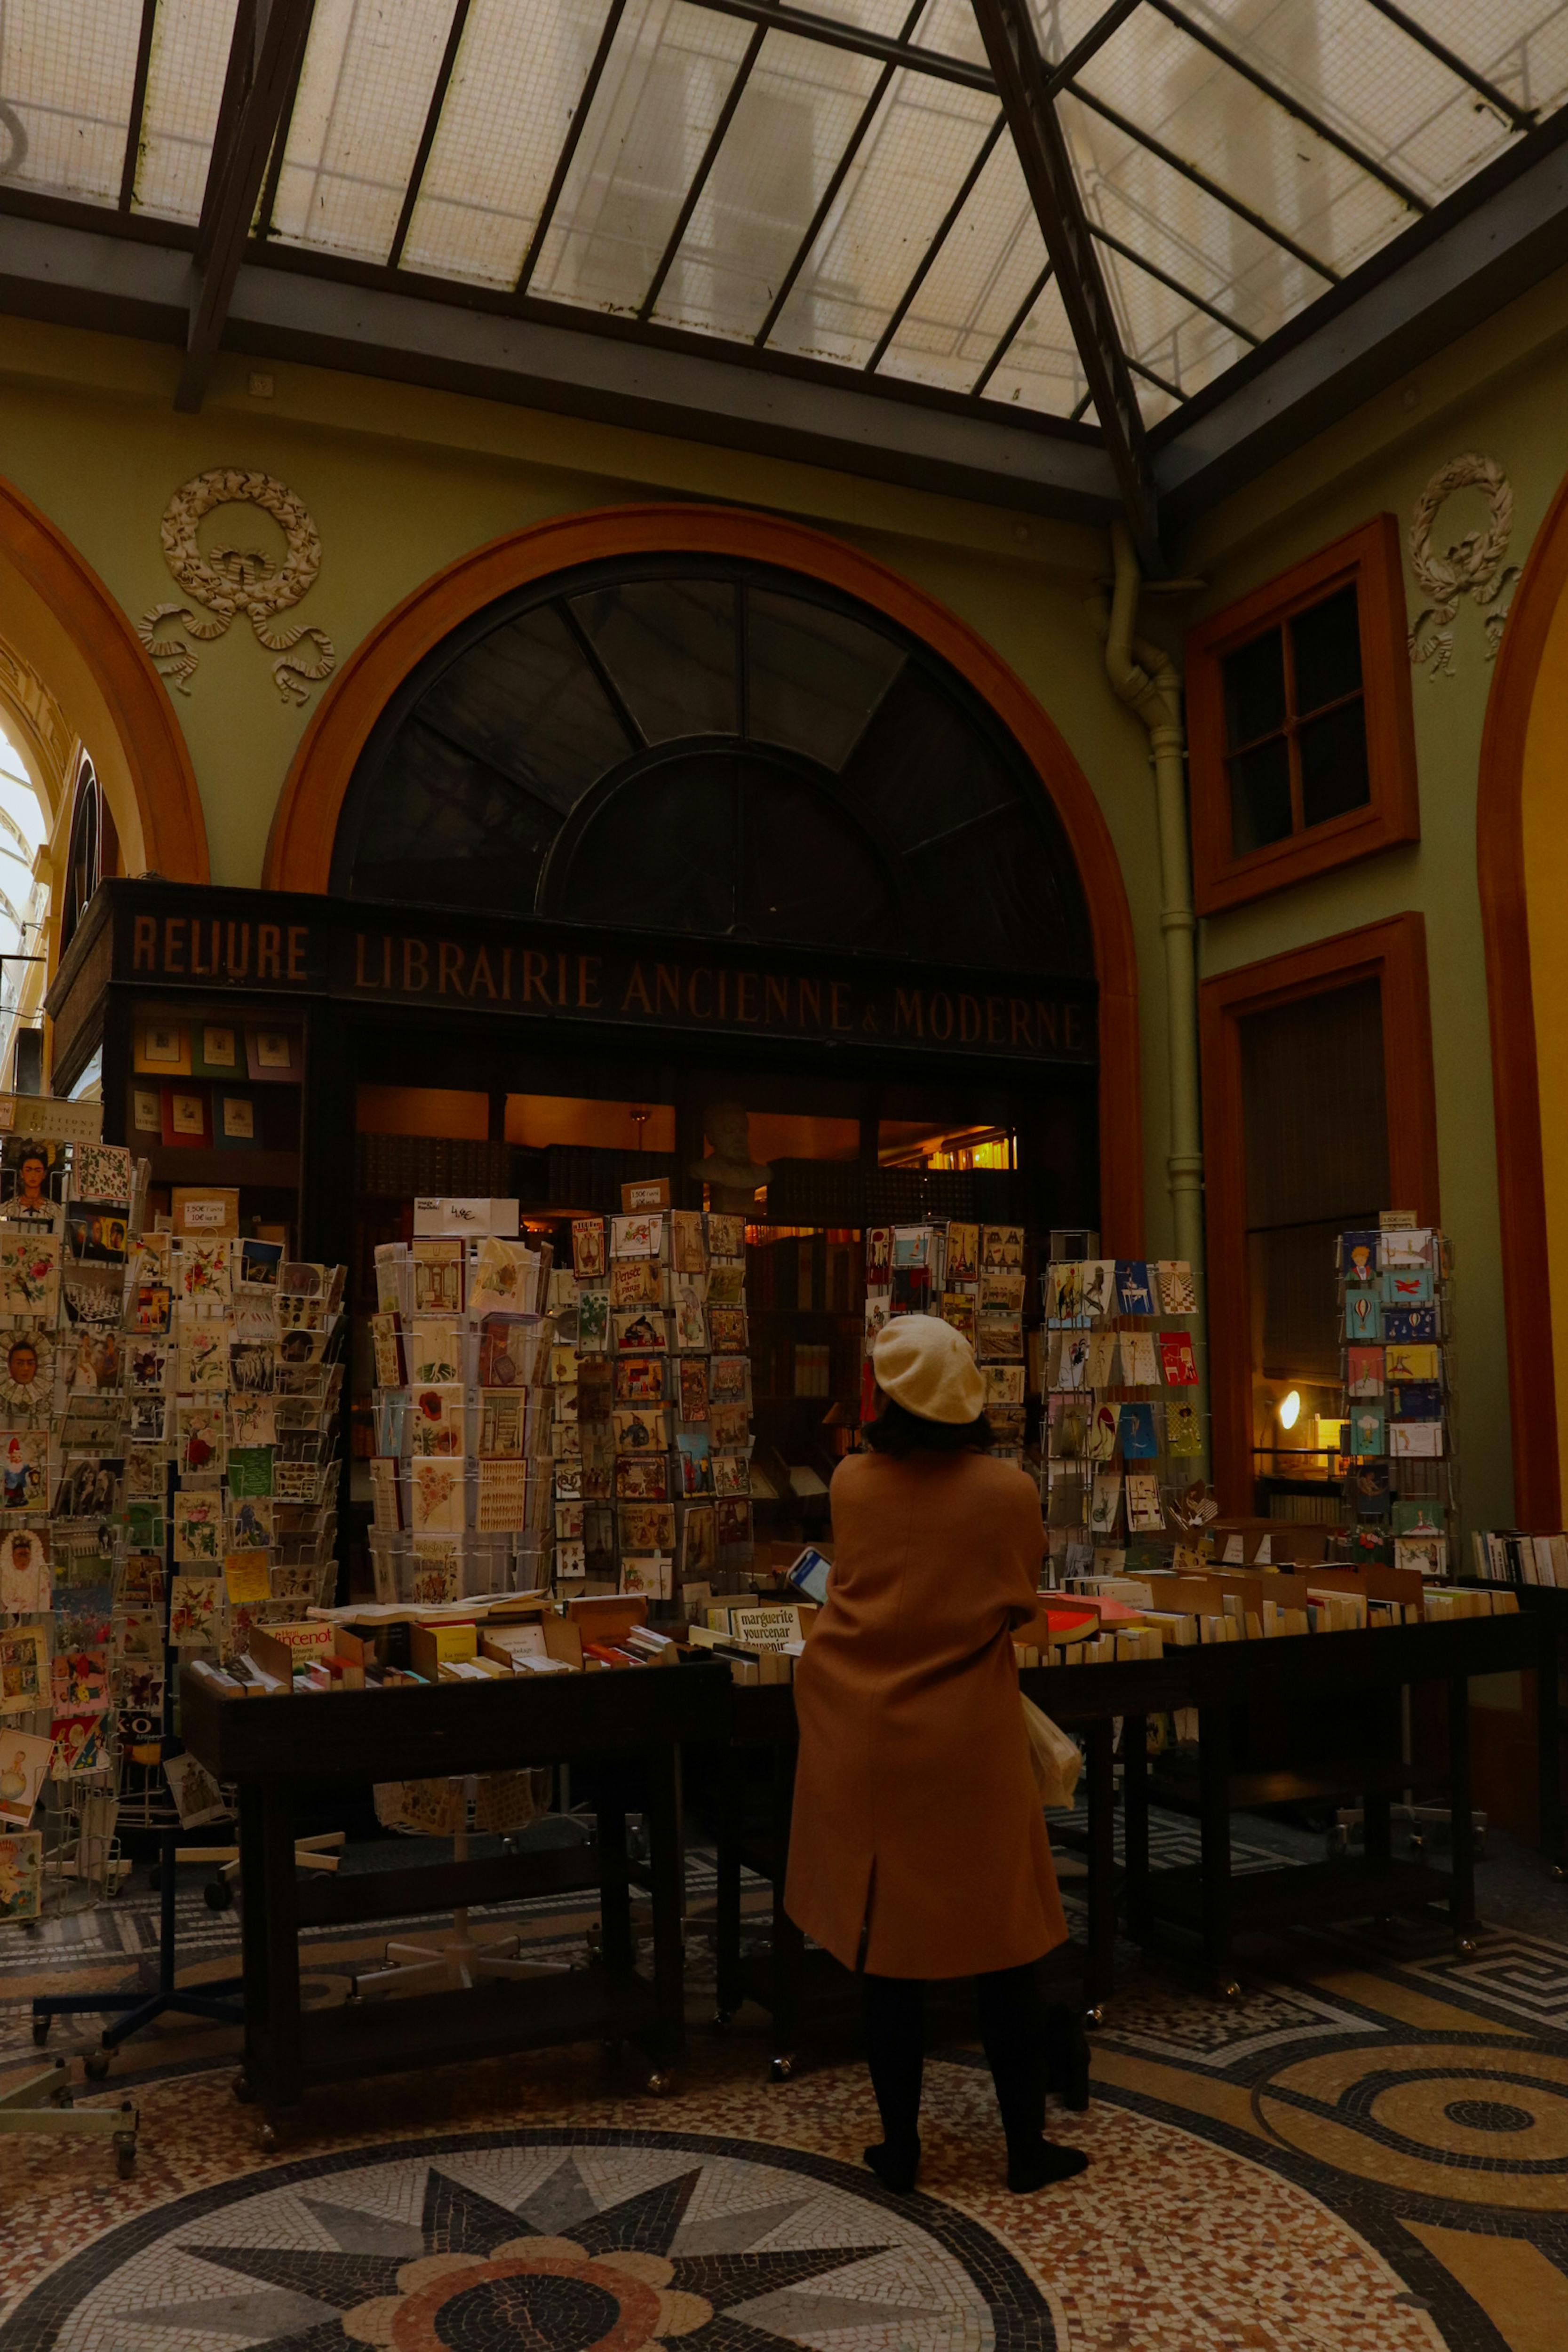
234, 580
1472, 566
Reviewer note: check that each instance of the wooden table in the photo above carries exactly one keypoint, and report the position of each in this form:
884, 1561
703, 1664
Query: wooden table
281, 1751
1380, 1664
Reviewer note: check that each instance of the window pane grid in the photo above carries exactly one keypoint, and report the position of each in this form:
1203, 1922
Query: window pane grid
186, 69
1259, 763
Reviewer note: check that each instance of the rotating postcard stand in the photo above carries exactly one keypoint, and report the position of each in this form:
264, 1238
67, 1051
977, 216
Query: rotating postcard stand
469, 1954
142, 2007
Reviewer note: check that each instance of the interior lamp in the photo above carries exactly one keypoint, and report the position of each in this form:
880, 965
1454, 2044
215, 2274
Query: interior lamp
1289, 1409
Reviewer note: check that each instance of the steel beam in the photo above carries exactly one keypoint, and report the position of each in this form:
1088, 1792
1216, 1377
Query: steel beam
428, 134
1009, 36
279, 38
138, 104
833, 34
286, 308
607, 31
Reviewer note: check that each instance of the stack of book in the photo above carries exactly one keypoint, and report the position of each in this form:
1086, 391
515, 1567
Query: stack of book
1504, 1556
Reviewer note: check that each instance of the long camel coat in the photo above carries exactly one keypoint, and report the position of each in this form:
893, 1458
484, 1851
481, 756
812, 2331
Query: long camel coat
918, 1847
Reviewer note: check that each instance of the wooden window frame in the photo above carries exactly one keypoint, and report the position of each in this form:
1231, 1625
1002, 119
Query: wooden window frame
1370, 558
1393, 952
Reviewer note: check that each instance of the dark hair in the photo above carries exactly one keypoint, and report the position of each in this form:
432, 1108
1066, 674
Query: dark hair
899, 1432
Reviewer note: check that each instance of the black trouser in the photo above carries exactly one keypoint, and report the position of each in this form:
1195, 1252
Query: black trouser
1012, 2031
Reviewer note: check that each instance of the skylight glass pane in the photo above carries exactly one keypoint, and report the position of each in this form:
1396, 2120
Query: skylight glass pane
370, 70
67, 68
1523, 52
1212, 117
1041, 368
1365, 78
186, 69
989, 259
1173, 338
663, 90
1181, 229
794, 119
910, 168
515, 87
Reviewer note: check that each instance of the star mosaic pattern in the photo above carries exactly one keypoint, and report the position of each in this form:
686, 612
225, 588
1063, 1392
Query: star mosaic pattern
542, 2241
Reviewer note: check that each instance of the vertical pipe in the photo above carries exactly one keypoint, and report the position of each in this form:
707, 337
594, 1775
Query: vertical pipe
1145, 678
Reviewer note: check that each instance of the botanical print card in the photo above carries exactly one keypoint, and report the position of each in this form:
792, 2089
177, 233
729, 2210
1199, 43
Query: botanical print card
101, 1171
433, 1347
29, 1272
203, 1355
1178, 1292
252, 1368
200, 1440
252, 1421
200, 1270
437, 1571
196, 1603
438, 1424
436, 1496
593, 1321
198, 1526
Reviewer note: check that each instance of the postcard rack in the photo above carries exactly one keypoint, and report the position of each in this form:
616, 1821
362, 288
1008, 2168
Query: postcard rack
1396, 1316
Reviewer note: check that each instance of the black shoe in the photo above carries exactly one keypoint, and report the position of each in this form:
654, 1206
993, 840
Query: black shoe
1066, 2057
894, 2168
1038, 2168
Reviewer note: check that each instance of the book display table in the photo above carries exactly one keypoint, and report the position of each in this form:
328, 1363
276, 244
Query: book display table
802, 1989
806, 1991
280, 1751
1378, 1665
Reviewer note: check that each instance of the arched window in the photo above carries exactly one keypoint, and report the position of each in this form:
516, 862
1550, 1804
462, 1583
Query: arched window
717, 748
92, 851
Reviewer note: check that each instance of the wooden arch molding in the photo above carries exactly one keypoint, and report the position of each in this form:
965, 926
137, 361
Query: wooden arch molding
299, 851
148, 754
1511, 1012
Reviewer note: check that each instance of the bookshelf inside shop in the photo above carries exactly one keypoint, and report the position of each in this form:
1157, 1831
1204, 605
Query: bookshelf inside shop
213, 1098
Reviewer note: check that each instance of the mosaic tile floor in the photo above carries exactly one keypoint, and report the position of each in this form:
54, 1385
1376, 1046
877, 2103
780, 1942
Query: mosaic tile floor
1368, 2153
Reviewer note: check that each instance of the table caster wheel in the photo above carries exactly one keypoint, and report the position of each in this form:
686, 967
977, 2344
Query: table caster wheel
1466, 1947
218, 1894
268, 2136
781, 2069
244, 2091
1094, 2016
1228, 1991
95, 2065
124, 2154
659, 2083
41, 2031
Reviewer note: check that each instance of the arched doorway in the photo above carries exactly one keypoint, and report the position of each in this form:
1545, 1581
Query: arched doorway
644, 673
65, 632
1521, 856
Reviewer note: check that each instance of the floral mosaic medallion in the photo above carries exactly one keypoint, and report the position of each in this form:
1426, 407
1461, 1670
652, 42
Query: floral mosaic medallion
542, 2241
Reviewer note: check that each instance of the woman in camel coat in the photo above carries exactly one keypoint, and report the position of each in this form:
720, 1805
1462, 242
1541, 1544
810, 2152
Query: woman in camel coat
917, 1848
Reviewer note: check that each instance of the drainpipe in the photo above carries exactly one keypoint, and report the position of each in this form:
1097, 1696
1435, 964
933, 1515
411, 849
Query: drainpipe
1147, 680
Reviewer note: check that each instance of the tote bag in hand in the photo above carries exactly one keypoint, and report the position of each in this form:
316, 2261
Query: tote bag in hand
1054, 1758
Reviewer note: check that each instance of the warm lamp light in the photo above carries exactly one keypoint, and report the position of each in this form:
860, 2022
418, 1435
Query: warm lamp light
1289, 1409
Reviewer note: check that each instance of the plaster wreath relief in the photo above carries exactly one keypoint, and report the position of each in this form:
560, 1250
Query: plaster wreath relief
233, 579
1472, 566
